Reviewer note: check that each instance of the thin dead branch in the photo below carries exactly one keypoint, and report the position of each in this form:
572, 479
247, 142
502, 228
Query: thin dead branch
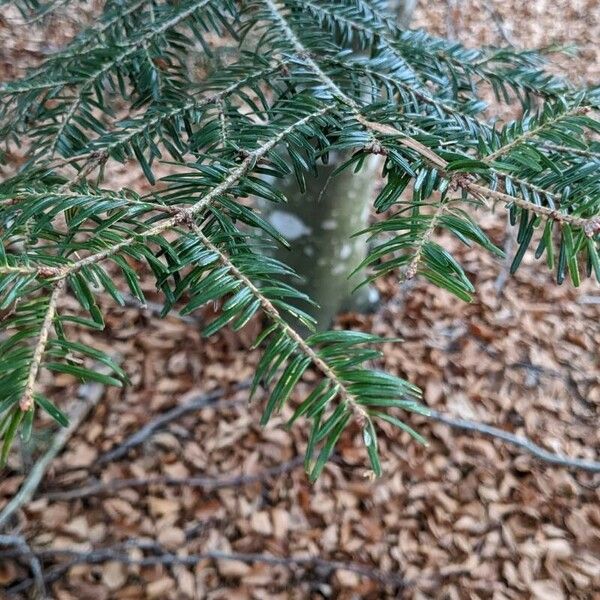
505, 35
18, 541
88, 397
196, 402
322, 567
204, 482
516, 440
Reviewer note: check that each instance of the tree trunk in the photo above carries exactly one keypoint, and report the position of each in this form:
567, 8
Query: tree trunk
320, 223
319, 226
403, 9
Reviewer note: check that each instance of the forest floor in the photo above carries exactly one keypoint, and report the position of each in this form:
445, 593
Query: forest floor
465, 517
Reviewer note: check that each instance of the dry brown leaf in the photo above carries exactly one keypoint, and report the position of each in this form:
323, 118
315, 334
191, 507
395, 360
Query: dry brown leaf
114, 575
546, 590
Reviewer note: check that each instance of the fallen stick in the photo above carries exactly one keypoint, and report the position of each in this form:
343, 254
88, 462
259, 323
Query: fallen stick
212, 483
18, 541
515, 440
118, 553
206, 483
87, 398
192, 405
200, 402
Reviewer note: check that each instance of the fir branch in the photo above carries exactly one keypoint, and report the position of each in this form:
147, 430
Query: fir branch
48, 9
274, 315
182, 214
300, 93
136, 44
421, 94
570, 150
589, 225
530, 134
555, 197
27, 399
79, 45
87, 398
185, 213
377, 32
413, 267
146, 126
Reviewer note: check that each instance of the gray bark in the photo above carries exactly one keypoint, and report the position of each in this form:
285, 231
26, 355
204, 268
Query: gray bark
320, 223
319, 226
404, 10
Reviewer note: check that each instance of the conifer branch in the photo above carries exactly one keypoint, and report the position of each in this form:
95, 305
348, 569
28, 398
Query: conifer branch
78, 47
48, 9
535, 131
591, 225
275, 316
413, 267
136, 44
26, 401
378, 33
294, 96
420, 94
182, 214
591, 154
148, 124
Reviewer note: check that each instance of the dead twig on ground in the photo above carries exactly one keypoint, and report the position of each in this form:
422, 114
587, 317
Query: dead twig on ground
204, 482
516, 440
452, 19
212, 483
501, 26
18, 541
88, 397
196, 402
161, 557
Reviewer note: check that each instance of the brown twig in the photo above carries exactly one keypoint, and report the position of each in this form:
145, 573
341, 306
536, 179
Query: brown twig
25, 551
161, 557
88, 397
203, 482
195, 403
515, 440
96, 159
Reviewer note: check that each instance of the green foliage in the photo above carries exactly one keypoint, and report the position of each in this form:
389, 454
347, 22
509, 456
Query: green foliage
309, 79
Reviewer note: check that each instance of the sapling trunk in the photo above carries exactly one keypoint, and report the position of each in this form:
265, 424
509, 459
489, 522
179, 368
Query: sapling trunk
403, 9
321, 226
